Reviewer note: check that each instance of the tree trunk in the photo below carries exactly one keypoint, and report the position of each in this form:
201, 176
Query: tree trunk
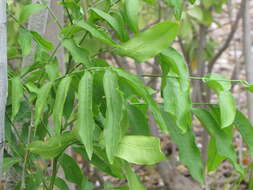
37, 22
53, 30
247, 42
3, 77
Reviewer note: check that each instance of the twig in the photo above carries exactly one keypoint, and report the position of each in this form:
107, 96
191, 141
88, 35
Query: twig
27, 152
54, 173
228, 40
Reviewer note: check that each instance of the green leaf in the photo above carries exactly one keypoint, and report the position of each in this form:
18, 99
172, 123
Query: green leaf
114, 114
221, 86
17, 95
132, 11
113, 22
247, 86
60, 99
223, 140
61, 184
100, 161
41, 102
176, 92
9, 162
246, 129
52, 71
214, 158
196, 13
138, 120
189, 153
227, 108
192, 1
72, 171
85, 115
132, 178
149, 43
96, 33
150, 1
29, 10
143, 91
120, 19
25, 41
140, 150
54, 146
42, 42
217, 82
177, 5
80, 55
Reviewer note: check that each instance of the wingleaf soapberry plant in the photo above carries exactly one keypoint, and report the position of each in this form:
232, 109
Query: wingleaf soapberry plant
100, 110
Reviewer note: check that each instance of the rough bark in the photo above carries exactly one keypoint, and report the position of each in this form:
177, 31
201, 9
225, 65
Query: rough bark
247, 42
3, 77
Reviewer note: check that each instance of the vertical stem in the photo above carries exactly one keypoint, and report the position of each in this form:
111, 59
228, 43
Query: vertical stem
3, 77
247, 43
27, 152
52, 181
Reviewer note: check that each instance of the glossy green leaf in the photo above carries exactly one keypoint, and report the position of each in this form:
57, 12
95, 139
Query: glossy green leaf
17, 95
113, 22
9, 162
60, 99
72, 171
29, 10
114, 114
177, 5
25, 41
245, 128
143, 91
176, 91
132, 178
100, 35
42, 42
61, 184
85, 115
54, 146
189, 153
140, 150
149, 43
132, 11
41, 102
223, 140
80, 55
221, 86
214, 158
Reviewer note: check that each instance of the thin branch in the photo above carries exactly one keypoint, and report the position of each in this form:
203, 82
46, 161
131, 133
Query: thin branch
3, 77
228, 40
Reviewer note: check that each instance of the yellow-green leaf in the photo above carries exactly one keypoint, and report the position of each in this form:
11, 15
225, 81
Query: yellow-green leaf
140, 150
149, 43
